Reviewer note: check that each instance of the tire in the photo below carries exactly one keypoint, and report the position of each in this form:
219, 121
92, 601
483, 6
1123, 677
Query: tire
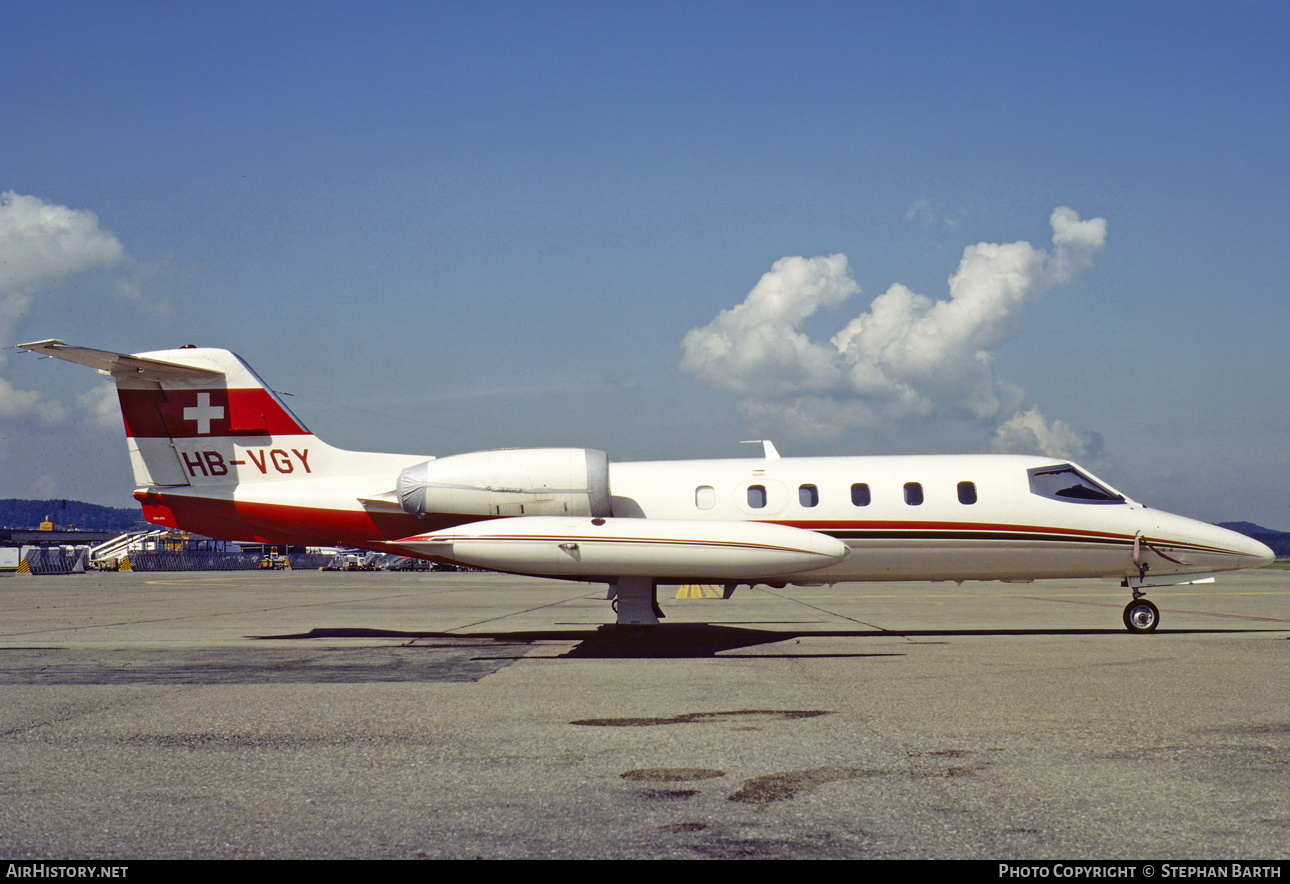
1141, 616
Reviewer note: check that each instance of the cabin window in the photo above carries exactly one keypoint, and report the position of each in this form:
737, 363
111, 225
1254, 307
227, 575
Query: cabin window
1064, 482
913, 493
757, 496
967, 492
860, 494
705, 497
808, 495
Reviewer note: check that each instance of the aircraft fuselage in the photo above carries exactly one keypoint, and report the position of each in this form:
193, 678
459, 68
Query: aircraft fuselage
215, 451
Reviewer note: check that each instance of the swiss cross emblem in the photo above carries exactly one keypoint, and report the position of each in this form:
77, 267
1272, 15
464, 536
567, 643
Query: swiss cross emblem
203, 412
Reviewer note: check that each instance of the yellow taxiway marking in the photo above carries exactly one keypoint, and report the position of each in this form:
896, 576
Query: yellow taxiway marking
700, 591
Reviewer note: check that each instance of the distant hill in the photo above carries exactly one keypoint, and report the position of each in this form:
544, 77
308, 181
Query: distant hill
1277, 541
68, 514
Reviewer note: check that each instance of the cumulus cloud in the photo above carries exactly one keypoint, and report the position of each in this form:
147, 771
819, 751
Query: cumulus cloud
758, 347
29, 405
1029, 432
101, 405
41, 243
908, 357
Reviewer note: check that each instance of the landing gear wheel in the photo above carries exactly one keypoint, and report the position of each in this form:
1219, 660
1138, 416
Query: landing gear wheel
1141, 616
634, 633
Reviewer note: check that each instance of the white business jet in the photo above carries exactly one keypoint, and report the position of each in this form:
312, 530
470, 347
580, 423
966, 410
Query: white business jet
216, 452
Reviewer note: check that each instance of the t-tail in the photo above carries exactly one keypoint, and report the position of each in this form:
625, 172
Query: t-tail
216, 451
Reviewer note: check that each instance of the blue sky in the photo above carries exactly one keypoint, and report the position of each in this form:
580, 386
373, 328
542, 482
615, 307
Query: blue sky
447, 227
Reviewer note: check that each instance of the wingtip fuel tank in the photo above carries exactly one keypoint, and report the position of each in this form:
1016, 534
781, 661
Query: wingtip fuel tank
557, 546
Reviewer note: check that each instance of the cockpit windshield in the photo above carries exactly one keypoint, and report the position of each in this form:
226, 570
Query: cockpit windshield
1064, 482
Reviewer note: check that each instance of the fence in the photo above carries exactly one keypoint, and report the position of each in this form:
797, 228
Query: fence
54, 560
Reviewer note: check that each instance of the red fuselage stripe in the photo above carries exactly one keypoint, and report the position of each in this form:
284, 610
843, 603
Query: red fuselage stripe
282, 523
840, 527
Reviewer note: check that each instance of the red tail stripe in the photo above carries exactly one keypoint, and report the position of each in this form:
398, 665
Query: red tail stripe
198, 414
276, 523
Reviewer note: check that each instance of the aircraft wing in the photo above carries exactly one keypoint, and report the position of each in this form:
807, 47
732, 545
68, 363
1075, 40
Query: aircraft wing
118, 364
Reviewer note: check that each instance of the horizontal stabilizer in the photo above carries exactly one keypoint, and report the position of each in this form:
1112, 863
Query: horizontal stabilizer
119, 364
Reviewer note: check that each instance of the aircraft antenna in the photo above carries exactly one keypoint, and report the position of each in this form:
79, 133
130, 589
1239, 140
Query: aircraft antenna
768, 447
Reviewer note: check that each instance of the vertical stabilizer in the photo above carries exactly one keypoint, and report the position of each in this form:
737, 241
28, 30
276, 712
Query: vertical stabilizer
199, 416
216, 452
222, 428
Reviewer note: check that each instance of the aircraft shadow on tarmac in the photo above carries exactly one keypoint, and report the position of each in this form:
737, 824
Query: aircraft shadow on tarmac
690, 640
330, 656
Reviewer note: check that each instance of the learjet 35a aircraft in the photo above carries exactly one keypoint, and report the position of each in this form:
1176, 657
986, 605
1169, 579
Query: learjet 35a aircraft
215, 451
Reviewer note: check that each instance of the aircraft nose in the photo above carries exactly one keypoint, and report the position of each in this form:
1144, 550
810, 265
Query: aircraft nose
1260, 553
1248, 552
1209, 546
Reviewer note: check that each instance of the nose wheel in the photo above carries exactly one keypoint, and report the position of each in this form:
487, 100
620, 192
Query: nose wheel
1141, 615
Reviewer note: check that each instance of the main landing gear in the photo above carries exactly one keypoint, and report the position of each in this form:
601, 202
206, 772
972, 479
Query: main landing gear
636, 604
634, 633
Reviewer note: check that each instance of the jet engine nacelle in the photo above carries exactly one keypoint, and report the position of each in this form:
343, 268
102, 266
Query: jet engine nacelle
510, 482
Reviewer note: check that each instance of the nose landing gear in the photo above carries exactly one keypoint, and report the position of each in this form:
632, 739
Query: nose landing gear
1141, 615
